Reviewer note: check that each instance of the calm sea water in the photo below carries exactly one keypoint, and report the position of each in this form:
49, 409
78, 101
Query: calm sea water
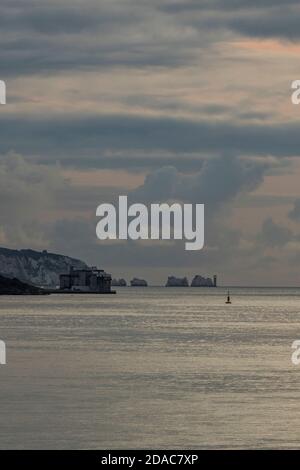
151, 368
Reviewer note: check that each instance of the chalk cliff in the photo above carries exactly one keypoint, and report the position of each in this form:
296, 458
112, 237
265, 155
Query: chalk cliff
200, 281
39, 268
119, 282
177, 282
138, 282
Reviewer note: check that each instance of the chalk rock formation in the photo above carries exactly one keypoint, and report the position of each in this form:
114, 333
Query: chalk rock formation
200, 281
119, 282
177, 282
138, 282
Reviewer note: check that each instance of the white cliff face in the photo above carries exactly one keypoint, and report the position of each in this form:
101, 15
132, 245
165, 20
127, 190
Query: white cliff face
39, 268
138, 282
177, 282
119, 282
200, 281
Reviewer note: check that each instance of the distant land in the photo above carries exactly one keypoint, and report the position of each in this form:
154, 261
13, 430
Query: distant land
135, 282
43, 269
16, 287
36, 267
119, 282
198, 281
177, 282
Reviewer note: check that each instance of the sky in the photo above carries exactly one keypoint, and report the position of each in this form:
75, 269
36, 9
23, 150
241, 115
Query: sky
160, 100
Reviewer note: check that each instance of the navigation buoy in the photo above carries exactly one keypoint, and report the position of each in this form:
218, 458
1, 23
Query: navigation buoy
228, 301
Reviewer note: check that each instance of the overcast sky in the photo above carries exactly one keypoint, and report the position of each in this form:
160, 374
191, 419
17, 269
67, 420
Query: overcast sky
161, 100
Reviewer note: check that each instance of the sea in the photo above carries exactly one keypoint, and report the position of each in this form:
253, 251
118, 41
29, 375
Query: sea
151, 368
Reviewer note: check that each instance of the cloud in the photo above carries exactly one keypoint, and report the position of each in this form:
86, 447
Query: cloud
282, 23
265, 19
219, 181
40, 37
217, 184
273, 235
220, 6
78, 236
61, 36
27, 194
294, 214
82, 140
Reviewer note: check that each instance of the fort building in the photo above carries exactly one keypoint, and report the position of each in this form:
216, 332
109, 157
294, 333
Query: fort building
89, 280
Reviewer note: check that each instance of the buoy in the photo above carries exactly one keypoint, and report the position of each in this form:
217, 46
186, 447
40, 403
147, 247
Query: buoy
228, 301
